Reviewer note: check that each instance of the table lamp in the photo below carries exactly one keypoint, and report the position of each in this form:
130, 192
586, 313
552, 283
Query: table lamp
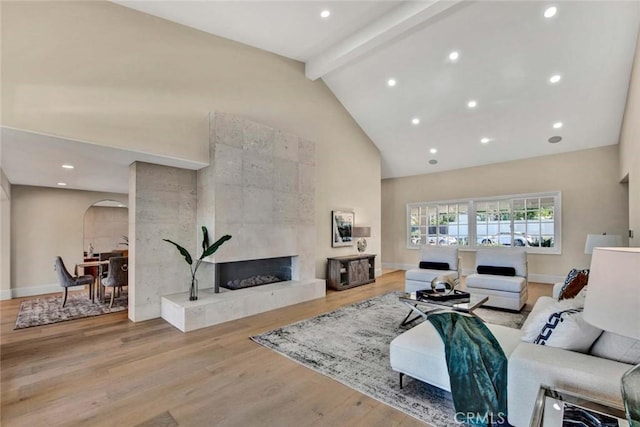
613, 304
362, 232
601, 240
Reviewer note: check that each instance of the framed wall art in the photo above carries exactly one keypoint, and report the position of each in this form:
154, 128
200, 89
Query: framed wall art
342, 228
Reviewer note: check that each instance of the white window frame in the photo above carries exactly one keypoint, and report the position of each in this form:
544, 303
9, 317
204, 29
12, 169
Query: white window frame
472, 202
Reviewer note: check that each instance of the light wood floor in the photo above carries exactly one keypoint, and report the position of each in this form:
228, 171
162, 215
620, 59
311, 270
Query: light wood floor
109, 371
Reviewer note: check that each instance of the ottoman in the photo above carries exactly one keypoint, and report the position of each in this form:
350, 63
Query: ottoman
419, 352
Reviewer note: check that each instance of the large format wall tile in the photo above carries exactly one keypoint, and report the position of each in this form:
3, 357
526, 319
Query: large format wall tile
262, 189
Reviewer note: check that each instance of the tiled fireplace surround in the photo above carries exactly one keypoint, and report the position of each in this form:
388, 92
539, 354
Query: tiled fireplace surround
259, 188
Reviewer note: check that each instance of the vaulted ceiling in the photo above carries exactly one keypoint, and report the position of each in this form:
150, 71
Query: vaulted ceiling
471, 78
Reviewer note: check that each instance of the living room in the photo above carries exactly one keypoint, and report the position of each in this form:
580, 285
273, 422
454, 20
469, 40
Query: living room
123, 79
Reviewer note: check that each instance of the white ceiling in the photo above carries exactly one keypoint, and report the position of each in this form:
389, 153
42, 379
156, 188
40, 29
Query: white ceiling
33, 159
508, 51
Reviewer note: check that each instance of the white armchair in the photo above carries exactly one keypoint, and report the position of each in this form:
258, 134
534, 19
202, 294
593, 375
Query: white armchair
435, 261
501, 274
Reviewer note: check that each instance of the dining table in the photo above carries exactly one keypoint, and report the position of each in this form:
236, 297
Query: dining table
100, 265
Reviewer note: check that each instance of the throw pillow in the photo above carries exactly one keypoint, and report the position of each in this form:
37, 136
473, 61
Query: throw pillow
568, 330
544, 307
575, 281
616, 347
498, 271
434, 265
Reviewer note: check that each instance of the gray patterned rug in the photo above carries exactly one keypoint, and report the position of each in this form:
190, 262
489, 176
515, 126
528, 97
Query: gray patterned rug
351, 345
47, 310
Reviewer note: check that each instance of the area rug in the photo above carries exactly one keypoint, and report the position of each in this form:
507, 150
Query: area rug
47, 310
351, 345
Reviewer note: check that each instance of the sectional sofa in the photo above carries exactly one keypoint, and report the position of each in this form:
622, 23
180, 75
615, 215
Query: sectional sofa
419, 353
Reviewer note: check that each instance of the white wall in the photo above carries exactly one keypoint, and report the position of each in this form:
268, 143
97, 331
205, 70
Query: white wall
104, 228
593, 201
630, 149
5, 237
46, 222
125, 79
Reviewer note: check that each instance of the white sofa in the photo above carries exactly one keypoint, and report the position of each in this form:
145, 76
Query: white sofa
418, 279
419, 353
509, 292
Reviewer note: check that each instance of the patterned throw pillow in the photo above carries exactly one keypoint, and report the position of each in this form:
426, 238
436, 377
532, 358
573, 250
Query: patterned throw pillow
568, 330
576, 280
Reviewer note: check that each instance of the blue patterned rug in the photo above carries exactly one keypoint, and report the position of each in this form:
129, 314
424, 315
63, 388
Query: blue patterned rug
351, 345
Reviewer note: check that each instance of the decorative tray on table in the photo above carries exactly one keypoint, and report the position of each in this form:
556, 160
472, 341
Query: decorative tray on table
441, 296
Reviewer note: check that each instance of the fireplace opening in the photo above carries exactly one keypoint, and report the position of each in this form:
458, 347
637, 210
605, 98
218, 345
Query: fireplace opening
256, 272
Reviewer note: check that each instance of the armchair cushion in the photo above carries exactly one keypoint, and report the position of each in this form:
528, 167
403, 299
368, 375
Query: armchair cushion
440, 254
430, 265
498, 271
497, 283
503, 257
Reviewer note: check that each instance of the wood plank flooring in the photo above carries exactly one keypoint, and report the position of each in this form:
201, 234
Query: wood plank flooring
109, 371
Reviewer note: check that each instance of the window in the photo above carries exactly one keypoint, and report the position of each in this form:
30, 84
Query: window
529, 220
439, 224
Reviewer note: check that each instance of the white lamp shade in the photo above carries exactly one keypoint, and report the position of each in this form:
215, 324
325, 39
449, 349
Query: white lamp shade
613, 292
601, 241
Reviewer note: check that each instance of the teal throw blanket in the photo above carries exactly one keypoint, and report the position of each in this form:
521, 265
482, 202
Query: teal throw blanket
477, 369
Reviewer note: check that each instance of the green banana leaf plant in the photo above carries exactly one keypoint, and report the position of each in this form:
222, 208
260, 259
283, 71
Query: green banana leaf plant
207, 250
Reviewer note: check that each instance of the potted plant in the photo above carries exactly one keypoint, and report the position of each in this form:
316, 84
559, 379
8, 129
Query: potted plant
207, 250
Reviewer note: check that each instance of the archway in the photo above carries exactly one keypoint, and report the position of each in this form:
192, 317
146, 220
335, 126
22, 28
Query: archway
106, 228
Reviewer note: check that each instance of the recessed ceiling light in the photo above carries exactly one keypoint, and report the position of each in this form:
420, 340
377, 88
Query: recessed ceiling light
453, 56
433, 150
391, 82
472, 104
557, 125
415, 121
67, 166
325, 13
550, 12
555, 78
62, 184
555, 139
485, 140
433, 162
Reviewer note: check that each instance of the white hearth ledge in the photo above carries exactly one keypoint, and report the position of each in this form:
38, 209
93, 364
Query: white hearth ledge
211, 308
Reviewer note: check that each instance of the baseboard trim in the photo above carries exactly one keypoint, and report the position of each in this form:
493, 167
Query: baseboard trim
35, 290
545, 278
5, 294
393, 266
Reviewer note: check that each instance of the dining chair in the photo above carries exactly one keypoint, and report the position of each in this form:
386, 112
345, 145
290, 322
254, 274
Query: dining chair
67, 280
105, 256
118, 275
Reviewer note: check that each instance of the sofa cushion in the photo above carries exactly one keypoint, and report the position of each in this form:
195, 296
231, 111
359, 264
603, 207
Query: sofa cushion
499, 271
498, 283
573, 284
617, 347
434, 265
